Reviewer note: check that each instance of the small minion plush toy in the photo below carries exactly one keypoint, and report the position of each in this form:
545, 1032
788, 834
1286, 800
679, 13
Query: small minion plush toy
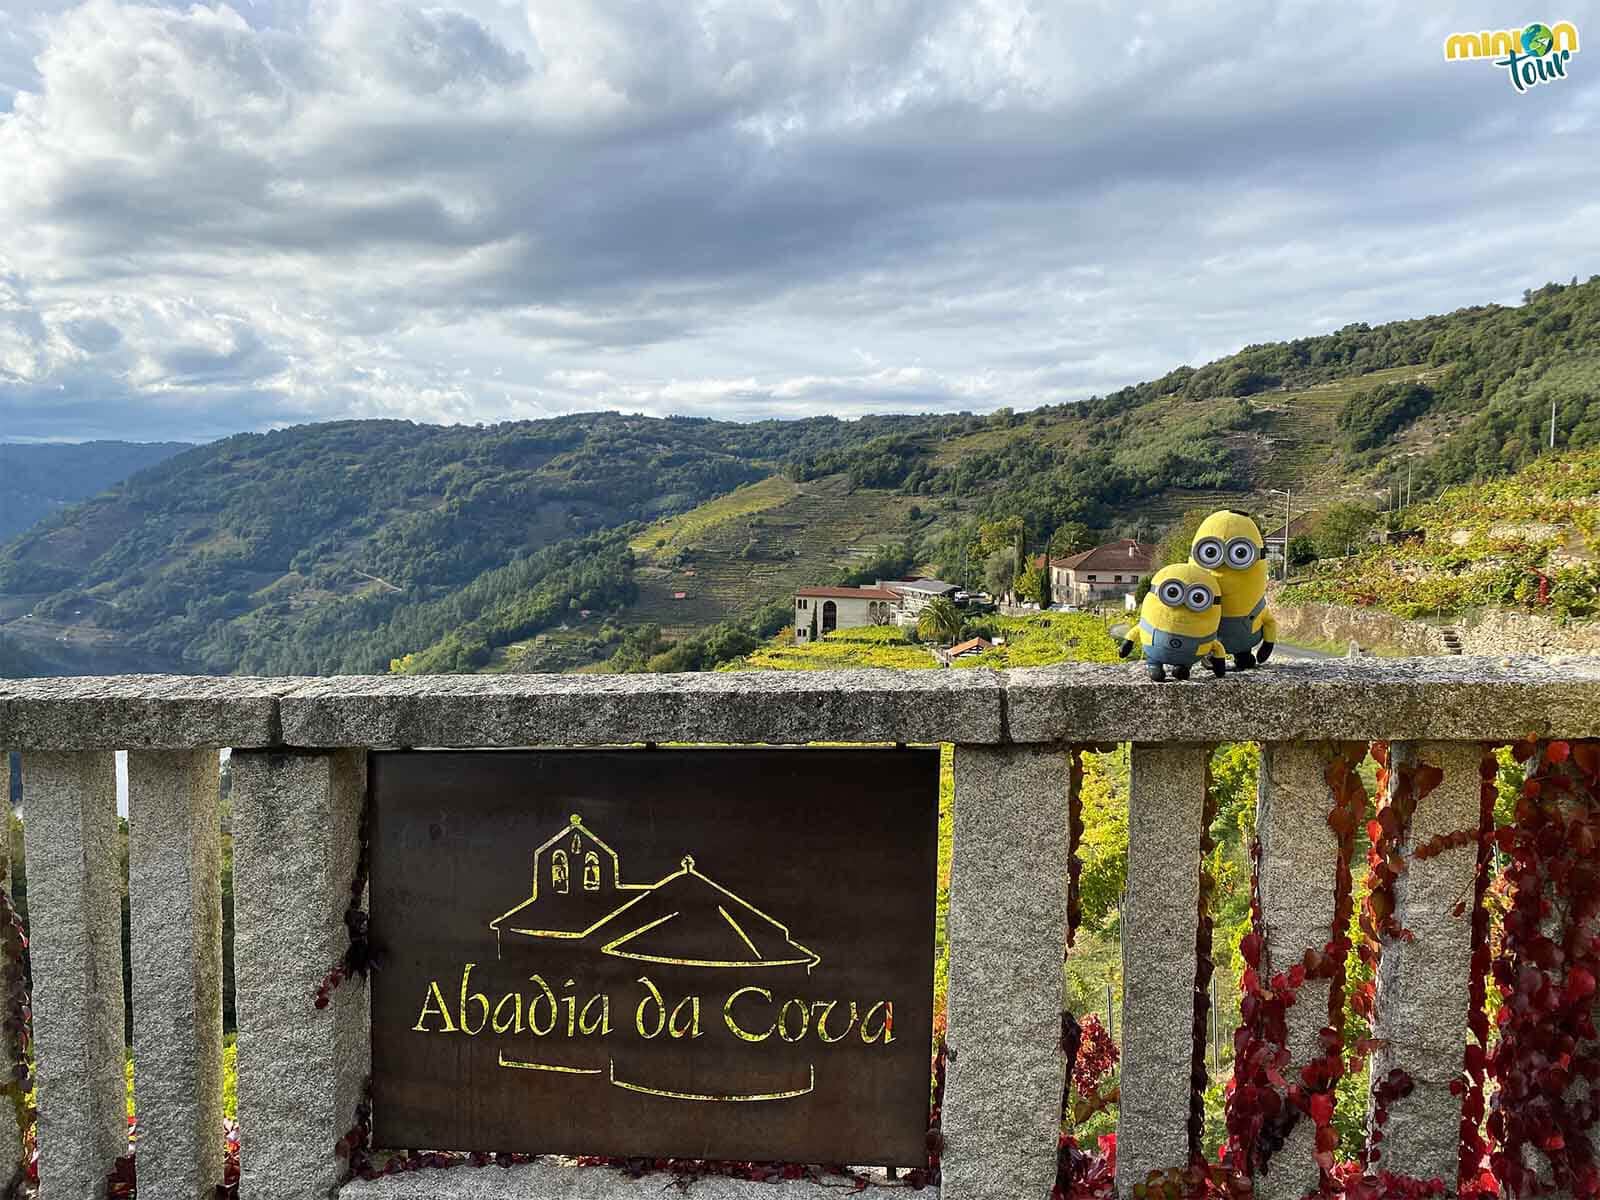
1178, 623
1230, 544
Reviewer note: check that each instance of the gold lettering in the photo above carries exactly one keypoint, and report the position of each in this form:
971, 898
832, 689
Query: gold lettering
661, 1009
783, 1020
549, 997
692, 1029
587, 1026
827, 1007
734, 1027
433, 1003
885, 1030
514, 1024
479, 998
572, 1011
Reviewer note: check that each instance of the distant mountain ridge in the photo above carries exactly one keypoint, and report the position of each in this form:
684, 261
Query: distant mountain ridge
38, 479
339, 547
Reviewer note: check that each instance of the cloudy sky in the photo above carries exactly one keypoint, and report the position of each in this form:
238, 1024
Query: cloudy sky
216, 217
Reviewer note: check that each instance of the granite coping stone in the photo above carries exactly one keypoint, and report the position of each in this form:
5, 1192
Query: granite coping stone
552, 1179
766, 707
141, 712
1439, 699
1451, 698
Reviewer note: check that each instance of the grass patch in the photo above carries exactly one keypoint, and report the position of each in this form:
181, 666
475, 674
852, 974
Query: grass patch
1041, 639
687, 528
844, 648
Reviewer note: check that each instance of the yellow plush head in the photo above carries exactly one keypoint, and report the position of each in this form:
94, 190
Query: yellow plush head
1183, 599
1230, 544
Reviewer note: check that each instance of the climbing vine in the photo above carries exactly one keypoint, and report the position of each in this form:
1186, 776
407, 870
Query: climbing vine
359, 957
1402, 786
16, 1016
1074, 840
1203, 968
1546, 1064
1266, 1098
1473, 1174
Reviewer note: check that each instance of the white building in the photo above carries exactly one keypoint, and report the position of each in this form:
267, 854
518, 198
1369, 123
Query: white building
820, 610
1107, 572
914, 594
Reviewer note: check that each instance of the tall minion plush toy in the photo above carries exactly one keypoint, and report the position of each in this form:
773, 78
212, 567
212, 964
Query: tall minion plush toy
1230, 544
1178, 623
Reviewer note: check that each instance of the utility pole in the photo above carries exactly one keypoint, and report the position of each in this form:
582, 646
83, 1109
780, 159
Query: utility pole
1552, 423
1408, 482
1288, 517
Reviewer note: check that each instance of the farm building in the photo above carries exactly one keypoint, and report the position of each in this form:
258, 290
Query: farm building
820, 610
914, 594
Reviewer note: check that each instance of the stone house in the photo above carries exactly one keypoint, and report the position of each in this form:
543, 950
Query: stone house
1106, 572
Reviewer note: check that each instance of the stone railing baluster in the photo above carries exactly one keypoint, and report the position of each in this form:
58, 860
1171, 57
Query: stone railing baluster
175, 913
75, 918
1008, 923
1422, 983
1160, 914
1297, 878
296, 820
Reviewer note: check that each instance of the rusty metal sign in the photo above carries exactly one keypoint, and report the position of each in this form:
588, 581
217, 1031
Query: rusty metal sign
722, 954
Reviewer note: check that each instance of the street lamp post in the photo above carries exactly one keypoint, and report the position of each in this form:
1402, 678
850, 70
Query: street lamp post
1287, 517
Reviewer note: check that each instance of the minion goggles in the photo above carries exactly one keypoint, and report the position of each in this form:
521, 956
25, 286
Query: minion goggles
1196, 598
1239, 553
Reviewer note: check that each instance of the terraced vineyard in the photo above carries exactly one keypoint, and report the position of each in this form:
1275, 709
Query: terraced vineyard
1292, 445
1301, 427
727, 558
673, 533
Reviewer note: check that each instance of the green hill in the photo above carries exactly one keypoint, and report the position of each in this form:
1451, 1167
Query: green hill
340, 547
38, 479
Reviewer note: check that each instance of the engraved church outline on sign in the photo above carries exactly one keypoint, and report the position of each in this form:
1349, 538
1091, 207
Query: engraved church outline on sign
577, 881
574, 898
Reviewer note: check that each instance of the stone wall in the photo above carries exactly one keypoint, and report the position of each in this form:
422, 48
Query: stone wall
1501, 632
1368, 628
1486, 632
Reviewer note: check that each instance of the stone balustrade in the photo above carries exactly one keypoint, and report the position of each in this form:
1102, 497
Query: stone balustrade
299, 770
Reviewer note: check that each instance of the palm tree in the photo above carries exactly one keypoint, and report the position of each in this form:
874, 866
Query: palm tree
939, 621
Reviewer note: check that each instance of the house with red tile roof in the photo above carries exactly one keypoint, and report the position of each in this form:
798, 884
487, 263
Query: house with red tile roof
1105, 573
975, 645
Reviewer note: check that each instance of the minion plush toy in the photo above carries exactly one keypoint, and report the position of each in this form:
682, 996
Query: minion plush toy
1230, 544
1178, 623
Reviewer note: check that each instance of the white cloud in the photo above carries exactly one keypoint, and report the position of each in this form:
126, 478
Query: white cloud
226, 217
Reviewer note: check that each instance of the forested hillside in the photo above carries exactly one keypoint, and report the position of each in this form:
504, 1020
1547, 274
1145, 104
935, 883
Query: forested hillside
341, 547
38, 479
